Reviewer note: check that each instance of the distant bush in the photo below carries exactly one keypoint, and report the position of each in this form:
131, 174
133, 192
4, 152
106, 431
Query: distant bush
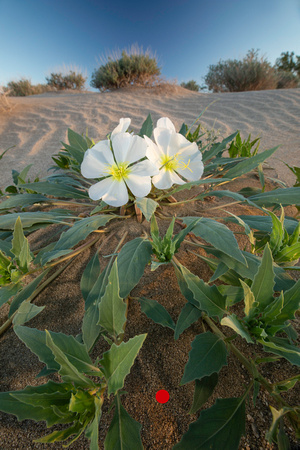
287, 80
131, 67
287, 63
72, 80
24, 87
250, 74
191, 85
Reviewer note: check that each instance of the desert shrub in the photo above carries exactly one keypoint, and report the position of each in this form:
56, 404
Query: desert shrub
249, 74
23, 87
72, 80
287, 63
132, 67
287, 80
191, 85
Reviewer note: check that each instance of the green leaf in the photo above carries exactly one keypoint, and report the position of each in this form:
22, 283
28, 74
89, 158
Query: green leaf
179, 237
277, 415
78, 232
263, 282
26, 312
291, 304
249, 164
235, 324
7, 222
8, 291
90, 328
112, 309
20, 246
203, 390
89, 276
117, 362
282, 280
189, 314
206, 298
264, 223
147, 206
22, 200
147, 127
249, 300
282, 347
156, 312
10, 403
219, 427
92, 432
68, 371
233, 294
76, 352
217, 235
61, 435
285, 385
25, 293
287, 254
217, 148
132, 260
208, 355
56, 189
124, 431
284, 197
277, 233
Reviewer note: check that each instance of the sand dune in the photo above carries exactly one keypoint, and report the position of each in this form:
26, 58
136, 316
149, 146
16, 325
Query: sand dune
36, 125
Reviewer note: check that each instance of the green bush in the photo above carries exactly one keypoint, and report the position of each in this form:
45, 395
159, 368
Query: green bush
287, 63
24, 87
72, 80
250, 74
287, 80
132, 68
191, 85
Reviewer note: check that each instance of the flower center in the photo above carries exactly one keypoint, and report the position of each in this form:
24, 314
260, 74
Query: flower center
119, 171
174, 162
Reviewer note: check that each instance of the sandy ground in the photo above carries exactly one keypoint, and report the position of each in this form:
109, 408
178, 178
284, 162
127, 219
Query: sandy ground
36, 125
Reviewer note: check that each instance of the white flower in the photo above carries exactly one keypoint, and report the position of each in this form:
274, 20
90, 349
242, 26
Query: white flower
173, 155
118, 167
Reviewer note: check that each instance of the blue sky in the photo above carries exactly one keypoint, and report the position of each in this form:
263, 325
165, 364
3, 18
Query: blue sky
40, 36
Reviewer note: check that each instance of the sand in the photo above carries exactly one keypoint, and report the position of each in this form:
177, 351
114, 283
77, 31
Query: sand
35, 126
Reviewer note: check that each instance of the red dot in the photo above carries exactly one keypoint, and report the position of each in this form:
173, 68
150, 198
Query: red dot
162, 396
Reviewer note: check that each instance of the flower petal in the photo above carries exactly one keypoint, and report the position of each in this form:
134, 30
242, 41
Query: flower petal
128, 148
144, 168
165, 122
122, 127
96, 160
153, 152
166, 178
112, 192
194, 169
162, 138
140, 186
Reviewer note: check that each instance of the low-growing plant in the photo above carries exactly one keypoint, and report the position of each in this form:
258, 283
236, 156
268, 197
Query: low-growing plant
23, 87
72, 80
191, 85
141, 175
249, 74
131, 67
243, 149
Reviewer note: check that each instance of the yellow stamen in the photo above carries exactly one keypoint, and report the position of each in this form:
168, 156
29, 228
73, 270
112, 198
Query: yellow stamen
119, 171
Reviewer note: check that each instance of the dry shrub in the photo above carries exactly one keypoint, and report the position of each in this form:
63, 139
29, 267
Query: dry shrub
23, 87
250, 74
130, 67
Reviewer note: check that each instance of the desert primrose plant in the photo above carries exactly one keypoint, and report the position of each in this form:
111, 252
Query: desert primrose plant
268, 294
